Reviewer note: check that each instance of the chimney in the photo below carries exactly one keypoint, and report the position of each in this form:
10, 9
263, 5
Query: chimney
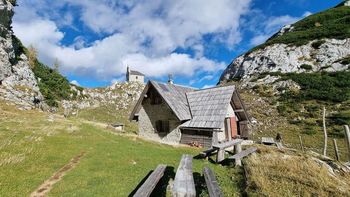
170, 80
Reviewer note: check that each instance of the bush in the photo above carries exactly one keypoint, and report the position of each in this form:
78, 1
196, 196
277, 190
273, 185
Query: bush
306, 66
52, 84
322, 86
317, 44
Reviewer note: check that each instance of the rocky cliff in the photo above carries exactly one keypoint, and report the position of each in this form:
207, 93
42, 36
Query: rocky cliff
320, 42
17, 81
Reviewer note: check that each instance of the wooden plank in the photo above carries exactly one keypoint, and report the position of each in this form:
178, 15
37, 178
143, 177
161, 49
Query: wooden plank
228, 144
212, 184
267, 140
347, 137
184, 182
244, 153
148, 186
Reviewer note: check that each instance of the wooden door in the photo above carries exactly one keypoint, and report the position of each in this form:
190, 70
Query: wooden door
233, 127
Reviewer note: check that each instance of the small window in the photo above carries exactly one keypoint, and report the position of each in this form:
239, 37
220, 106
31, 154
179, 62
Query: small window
162, 126
155, 98
137, 77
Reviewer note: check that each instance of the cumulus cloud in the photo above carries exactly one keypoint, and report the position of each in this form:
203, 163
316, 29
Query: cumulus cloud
75, 82
270, 25
144, 34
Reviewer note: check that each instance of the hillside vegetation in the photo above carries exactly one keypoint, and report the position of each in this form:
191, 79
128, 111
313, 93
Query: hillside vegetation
332, 23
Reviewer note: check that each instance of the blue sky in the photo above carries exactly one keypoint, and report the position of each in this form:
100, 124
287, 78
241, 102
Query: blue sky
194, 40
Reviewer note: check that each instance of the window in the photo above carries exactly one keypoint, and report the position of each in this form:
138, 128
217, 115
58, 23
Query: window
155, 98
137, 77
162, 126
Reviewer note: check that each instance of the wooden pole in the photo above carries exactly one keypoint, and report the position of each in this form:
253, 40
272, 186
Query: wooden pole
301, 143
336, 149
238, 149
347, 137
324, 132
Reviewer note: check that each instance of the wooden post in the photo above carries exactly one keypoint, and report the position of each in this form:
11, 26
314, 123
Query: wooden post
220, 155
336, 149
347, 137
301, 143
238, 149
324, 132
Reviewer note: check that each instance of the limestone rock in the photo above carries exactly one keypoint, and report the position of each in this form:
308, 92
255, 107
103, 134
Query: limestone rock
17, 81
285, 59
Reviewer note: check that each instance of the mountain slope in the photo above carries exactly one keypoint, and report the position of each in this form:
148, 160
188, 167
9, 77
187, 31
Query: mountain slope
320, 42
287, 81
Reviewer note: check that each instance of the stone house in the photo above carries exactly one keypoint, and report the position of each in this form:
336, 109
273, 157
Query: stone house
176, 114
134, 76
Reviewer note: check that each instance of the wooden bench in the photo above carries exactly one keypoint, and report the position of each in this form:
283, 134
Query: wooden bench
237, 157
184, 182
151, 182
221, 148
212, 185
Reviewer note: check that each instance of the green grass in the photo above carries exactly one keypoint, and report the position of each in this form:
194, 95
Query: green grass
331, 23
35, 148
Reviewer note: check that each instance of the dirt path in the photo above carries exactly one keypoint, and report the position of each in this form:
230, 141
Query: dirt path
48, 184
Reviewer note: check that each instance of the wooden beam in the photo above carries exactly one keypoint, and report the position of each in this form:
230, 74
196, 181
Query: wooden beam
212, 184
228, 144
238, 151
148, 186
184, 182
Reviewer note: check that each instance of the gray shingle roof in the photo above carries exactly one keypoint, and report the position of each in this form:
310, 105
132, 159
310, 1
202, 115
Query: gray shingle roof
205, 108
134, 72
175, 97
209, 106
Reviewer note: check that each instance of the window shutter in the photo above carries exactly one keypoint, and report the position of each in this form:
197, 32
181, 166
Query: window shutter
165, 125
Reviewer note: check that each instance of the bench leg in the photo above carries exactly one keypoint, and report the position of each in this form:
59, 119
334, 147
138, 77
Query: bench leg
220, 155
238, 149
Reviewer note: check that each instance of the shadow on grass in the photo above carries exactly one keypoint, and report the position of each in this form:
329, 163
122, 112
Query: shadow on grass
161, 187
200, 184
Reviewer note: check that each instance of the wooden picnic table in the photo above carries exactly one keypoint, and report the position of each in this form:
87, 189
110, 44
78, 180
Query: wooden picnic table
221, 148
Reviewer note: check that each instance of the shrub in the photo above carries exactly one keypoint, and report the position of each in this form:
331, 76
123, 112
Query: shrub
52, 84
310, 130
317, 44
306, 66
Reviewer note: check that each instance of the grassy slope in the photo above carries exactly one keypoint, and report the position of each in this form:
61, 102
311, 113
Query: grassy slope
331, 23
292, 174
32, 149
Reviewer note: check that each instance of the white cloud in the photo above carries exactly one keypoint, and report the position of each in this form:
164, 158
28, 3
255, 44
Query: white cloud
143, 34
75, 82
270, 25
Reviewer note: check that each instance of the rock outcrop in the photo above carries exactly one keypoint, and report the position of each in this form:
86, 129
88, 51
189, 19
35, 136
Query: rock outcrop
282, 58
120, 95
17, 81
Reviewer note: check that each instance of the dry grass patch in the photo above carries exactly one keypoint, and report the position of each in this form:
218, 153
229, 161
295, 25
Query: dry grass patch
273, 173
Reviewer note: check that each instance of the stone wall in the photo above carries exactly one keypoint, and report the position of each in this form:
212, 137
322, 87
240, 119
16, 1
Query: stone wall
149, 114
136, 78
